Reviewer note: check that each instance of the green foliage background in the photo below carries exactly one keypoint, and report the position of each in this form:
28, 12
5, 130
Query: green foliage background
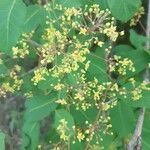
19, 16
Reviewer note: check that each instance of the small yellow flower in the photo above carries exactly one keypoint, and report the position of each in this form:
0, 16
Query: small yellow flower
80, 136
59, 86
61, 101
100, 43
38, 77
83, 31
137, 16
79, 96
105, 106
87, 65
122, 33
62, 130
136, 94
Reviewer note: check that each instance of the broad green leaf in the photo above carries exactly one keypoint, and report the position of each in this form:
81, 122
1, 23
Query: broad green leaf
122, 119
30, 138
12, 15
35, 16
81, 116
137, 40
40, 106
121, 48
2, 141
46, 84
63, 114
98, 66
123, 9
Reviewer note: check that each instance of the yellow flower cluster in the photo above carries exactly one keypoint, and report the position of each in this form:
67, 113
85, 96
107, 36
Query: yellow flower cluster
121, 65
39, 75
61, 101
136, 93
80, 136
59, 87
62, 128
85, 95
67, 43
14, 84
16, 81
67, 54
22, 50
69, 12
91, 130
110, 31
28, 94
137, 16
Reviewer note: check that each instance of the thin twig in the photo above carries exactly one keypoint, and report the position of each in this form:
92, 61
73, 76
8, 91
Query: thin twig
135, 141
35, 44
142, 26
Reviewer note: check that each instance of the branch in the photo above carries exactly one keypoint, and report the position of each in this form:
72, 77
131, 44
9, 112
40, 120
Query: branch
135, 141
138, 130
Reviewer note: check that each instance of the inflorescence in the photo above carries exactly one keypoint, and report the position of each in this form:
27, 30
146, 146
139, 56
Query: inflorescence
68, 41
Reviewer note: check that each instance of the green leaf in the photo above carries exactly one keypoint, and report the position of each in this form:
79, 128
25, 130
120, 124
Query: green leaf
3, 70
122, 119
46, 84
146, 131
69, 3
40, 106
140, 58
108, 141
63, 114
77, 146
28, 85
121, 48
81, 116
81, 3
12, 15
52, 135
35, 16
137, 40
2, 141
30, 138
71, 78
98, 66
102, 3
142, 102
123, 9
